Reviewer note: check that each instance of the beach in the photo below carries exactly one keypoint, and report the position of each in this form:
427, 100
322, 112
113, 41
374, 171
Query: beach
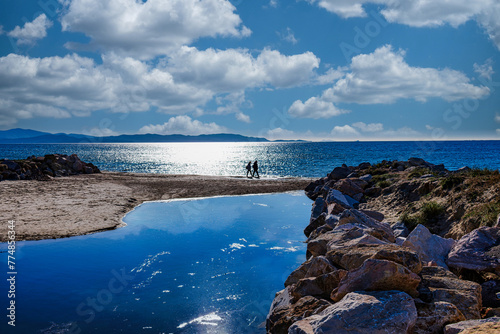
89, 203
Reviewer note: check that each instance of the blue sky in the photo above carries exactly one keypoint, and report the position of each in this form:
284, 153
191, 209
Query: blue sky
305, 69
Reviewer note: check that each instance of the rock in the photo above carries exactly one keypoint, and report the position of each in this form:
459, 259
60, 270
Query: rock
374, 214
335, 196
282, 315
378, 275
318, 208
342, 236
356, 216
367, 178
310, 189
400, 230
463, 326
426, 176
432, 317
353, 257
321, 286
314, 267
339, 173
447, 287
364, 165
399, 241
463, 170
430, 247
497, 224
348, 187
490, 293
317, 222
476, 251
77, 166
417, 162
88, 170
373, 192
363, 312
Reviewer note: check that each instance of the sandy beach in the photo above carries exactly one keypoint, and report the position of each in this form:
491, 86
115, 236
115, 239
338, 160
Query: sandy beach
83, 204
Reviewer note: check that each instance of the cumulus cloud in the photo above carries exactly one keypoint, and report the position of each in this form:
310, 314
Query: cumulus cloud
184, 125
75, 85
424, 13
280, 134
372, 127
145, 29
497, 117
344, 131
485, 70
383, 77
31, 31
314, 108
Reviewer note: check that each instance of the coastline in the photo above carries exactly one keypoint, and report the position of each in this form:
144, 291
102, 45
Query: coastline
90, 203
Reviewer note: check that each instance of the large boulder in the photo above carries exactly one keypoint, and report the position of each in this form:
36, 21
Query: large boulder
432, 317
353, 257
356, 216
490, 325
336, 197
446, 287
339, 173
280, 319
317, 209
479, 250
490, 292
314, 267
321, 286
363, 312
400, 230
378, 275
430, 247
350, 187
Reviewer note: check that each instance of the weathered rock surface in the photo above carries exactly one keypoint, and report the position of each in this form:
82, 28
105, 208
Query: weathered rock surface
400, 230
476, 251
320, 286
363, 312
356, 216
314, 267
489, 325
430, 247
378, 275
432, 317
447, 287
353, 257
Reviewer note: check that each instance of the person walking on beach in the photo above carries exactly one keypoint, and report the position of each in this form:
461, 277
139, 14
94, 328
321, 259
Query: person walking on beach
249, 169
256, 169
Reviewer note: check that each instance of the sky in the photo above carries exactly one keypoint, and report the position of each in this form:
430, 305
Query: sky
297, 69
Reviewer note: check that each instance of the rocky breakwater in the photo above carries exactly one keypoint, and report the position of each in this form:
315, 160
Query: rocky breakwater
44, 168
365, 275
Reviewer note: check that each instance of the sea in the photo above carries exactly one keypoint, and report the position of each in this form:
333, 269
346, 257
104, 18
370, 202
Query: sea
288, 159
209, 265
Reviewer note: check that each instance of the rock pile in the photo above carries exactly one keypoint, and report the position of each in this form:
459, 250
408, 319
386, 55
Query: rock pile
363, 275
43, 168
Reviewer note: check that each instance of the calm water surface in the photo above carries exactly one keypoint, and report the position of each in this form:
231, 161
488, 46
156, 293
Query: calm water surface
191, 266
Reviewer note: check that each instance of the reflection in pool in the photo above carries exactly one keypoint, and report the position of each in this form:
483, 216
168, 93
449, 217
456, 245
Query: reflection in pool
191, 266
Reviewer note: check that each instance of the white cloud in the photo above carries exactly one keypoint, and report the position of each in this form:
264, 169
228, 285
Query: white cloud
372, 127
288, 36
280, 134
429, 127
498, 132
190, 78
497, 117
273, 3
243, 117
330, 76
485, 70
146, 29
31, 31
183, 125
425, 13
100, 132
314, 108
384, 77
344, 131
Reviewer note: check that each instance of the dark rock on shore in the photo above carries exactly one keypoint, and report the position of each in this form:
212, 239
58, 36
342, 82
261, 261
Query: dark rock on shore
44, 168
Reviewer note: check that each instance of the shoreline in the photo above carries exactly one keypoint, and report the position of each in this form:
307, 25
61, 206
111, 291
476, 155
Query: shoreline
91, 203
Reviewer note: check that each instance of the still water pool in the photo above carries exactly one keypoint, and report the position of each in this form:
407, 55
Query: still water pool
191, 266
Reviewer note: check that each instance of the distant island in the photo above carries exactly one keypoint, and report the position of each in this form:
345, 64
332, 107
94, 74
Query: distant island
25, 136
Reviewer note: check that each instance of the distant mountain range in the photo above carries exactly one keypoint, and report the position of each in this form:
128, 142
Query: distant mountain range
24, 136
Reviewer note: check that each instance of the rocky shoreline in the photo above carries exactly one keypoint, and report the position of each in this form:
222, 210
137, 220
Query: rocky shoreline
44, 168
367, 274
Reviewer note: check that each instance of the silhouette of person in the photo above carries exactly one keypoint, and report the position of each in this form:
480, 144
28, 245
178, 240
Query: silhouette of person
249, 169
256, 169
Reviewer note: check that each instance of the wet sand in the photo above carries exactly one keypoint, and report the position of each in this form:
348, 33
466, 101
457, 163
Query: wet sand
83, 204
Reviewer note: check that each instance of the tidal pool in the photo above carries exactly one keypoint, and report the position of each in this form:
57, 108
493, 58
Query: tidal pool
190, 266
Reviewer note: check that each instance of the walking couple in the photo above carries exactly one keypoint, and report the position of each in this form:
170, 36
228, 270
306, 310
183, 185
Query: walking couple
255, 169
